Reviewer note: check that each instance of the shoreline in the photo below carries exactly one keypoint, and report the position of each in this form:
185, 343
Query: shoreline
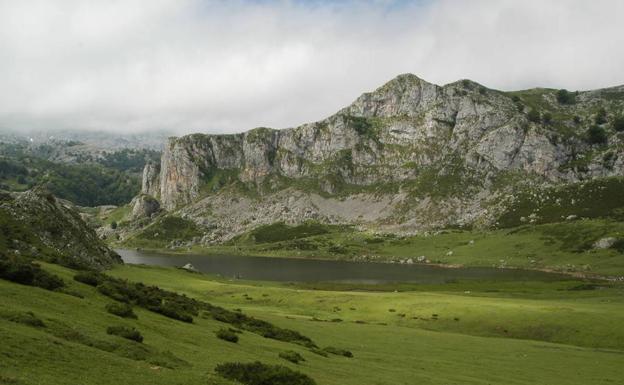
573, 274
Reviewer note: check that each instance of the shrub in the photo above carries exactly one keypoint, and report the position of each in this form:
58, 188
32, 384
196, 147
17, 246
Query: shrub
601, 116
618, 123
596, 135
125, 332
547, 118
533, 116
338, 352
565, 97
121, 309
21, 270
227, 335
257, 373
292, 356
113, 225
91, 278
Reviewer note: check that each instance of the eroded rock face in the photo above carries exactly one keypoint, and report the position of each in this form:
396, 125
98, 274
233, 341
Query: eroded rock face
451, 141
151, 180
144, 206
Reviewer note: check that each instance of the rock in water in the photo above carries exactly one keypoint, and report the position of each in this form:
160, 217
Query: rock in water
189, 267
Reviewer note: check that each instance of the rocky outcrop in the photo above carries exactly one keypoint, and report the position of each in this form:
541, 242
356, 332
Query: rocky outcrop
144, 206
151, 179
41, 226
442, 147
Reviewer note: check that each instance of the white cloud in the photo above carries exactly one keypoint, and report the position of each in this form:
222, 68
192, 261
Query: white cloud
226, 66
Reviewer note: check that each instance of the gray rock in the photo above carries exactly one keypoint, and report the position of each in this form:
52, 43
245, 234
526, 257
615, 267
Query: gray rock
605, 243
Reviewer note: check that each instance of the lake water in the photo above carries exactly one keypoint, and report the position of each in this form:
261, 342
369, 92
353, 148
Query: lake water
309, 270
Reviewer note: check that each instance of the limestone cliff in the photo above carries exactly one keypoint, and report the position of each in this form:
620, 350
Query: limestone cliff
435, 154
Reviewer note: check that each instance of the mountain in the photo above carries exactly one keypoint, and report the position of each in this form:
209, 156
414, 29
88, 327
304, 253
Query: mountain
37, 225
410, 155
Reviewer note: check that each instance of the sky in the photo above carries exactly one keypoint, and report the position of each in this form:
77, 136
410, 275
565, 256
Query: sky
228, 66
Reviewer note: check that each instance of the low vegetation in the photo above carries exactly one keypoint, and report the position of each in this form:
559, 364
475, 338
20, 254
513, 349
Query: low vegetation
257, 373
183, 308
292, 356
24, 271
125, 332
121, 309
227, 335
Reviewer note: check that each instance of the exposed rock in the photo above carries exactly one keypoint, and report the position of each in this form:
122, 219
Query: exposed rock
144, 206
189, 267
410, 155
151, 180
55, 230
605, 243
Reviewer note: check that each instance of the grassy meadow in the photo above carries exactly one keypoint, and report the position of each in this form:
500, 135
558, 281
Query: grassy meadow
463, 333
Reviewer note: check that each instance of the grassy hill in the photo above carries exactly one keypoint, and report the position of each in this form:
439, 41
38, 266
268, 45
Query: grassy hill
478, 333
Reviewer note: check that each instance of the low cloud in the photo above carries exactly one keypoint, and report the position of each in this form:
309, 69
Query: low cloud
227, 66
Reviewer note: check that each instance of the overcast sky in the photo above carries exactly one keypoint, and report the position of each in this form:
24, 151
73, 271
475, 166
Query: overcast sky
228, 66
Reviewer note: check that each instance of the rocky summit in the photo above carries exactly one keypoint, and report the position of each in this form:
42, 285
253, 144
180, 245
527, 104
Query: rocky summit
410, 155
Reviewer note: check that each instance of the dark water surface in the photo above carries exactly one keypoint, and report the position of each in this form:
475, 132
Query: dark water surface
309, 270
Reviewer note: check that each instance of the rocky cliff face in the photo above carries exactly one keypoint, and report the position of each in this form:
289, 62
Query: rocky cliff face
37, 224
438, 152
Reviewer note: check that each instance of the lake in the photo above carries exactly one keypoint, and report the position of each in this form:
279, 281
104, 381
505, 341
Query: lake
313, 270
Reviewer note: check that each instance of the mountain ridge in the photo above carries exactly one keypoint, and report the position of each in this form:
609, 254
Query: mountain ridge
440, 154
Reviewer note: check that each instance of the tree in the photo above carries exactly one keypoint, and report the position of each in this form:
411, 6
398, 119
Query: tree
533, 116
565, 97
113, 225
601, 116
596, 135
618, 123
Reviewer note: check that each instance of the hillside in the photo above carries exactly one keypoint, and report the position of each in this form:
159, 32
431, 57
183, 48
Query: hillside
36, 225
408, 157
562, 333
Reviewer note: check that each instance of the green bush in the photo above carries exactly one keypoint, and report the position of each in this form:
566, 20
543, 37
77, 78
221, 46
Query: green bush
91, 278
338, 352
596, 135
292, 356
533, 116
618, 123
565, 97
227, 335
121, 309
125, 332
601, 116
257, 373
22, 270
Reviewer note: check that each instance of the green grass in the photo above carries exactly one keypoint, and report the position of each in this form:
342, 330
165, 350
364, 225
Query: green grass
163, 231
465, 344
565, 246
